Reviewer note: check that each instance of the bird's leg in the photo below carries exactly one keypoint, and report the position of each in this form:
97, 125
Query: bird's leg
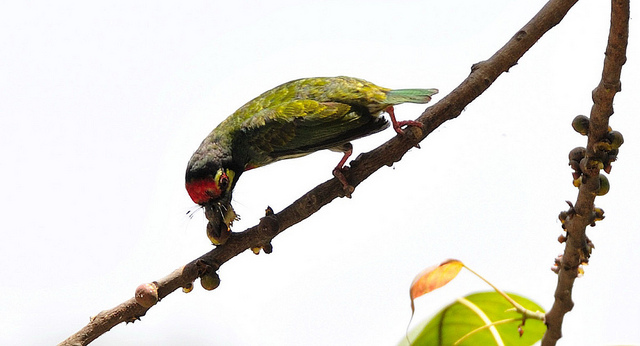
340, 168
397, 125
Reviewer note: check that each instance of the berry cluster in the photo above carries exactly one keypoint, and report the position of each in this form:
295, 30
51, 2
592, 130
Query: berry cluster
605, 152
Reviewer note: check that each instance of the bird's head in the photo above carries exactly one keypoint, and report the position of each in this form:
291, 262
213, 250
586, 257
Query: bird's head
212, 188
206, 187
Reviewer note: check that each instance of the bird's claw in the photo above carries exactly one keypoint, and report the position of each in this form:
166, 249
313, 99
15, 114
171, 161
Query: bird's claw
397, 126
338, 173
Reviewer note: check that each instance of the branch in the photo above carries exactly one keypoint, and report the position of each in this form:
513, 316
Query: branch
482, 75
577, 248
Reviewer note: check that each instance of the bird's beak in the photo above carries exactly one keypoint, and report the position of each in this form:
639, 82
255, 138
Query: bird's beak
221, 216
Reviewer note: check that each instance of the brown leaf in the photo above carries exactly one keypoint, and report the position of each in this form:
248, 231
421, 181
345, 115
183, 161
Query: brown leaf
433, 278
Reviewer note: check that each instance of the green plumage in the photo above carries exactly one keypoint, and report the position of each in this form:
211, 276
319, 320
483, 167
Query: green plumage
291, 120
303, 116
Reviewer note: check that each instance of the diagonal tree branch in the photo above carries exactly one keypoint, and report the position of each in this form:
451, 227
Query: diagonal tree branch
482, 75
582, 214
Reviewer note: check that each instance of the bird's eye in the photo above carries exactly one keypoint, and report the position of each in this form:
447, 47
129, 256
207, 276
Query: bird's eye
223, 181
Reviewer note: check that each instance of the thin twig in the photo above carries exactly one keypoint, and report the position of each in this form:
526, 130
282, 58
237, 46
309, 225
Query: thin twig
482, 75
582, 215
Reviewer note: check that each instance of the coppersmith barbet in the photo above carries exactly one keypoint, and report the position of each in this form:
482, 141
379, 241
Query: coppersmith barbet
291, 120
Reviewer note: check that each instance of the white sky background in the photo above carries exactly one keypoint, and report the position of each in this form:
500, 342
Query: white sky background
102, 104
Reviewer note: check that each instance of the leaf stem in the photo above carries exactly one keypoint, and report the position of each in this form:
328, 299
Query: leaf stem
519, 308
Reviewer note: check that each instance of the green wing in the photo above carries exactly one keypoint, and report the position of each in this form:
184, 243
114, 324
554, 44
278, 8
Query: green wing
299, 127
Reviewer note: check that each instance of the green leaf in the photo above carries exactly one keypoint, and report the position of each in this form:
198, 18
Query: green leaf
475, 311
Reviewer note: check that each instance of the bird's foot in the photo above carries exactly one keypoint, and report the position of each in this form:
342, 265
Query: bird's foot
397, 125
338, 173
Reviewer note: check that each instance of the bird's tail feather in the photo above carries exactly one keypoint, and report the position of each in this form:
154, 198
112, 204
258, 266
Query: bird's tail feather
395, 97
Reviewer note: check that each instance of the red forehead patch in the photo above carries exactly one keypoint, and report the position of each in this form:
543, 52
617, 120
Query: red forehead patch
203, 190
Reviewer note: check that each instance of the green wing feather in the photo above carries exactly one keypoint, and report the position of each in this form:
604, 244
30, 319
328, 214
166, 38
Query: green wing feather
299, 127
398, 96
306, 115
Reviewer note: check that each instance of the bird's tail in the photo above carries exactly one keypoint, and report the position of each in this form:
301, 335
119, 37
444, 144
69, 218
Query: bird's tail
395, 97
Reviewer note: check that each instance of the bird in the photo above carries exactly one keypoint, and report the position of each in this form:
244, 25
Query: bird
291, 120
